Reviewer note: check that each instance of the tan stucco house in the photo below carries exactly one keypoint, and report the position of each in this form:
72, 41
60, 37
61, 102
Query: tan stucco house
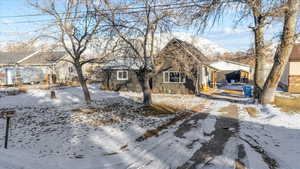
291, 75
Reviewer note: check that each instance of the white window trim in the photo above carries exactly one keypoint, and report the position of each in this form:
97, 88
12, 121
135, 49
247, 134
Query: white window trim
119, 71
164, 77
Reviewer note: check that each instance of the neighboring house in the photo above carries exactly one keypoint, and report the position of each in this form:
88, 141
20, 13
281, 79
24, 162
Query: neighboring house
179, 68
235, 72
8, 61
36, 67
291, 77
120, 74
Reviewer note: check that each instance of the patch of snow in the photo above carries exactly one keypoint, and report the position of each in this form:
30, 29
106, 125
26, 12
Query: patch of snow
208, 124
278, 133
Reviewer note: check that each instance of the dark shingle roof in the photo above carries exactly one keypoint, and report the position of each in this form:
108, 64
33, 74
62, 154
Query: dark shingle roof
192, 50
7, 58
295, 56
176, 48
42, 58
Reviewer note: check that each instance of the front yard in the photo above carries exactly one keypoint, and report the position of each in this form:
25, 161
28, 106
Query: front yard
115, 132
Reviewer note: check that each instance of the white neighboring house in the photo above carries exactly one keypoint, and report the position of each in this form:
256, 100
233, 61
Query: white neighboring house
34, 67
229, 71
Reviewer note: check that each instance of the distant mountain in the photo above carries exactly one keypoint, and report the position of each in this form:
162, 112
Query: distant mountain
207, 47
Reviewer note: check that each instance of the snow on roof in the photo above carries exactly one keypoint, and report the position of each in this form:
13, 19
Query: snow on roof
230, 66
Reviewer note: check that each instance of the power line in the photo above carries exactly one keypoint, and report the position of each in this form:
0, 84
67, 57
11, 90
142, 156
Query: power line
105, 10
129, 12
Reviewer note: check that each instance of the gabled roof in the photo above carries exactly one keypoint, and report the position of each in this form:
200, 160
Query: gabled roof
189, 49
42, 58
179, 48
174, 46
30, 58
11, 58
295, 55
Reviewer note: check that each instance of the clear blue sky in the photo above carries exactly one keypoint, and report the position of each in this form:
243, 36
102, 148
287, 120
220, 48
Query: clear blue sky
224, 34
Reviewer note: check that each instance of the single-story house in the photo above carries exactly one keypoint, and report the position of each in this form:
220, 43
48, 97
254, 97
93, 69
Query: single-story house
35, 67
291, 76
178, 68
232, 72
8, 62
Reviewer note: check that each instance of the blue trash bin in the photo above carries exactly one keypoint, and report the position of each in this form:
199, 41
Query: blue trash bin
248, 90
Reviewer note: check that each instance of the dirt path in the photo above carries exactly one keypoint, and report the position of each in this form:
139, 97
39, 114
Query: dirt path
226, 126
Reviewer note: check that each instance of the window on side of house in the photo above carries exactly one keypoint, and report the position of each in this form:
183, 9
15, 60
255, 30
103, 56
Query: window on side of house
173, 77
122, 75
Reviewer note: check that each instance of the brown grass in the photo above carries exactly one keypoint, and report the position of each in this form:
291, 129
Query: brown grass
288, 104
85, 110
251, 111
155, 132
231, 111
239, 165
124, 148
198, 108
158, 109
168, 109
90, 111
110, 154
23, 89
229, 108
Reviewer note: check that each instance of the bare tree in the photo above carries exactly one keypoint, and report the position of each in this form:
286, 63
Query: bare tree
73, 25
137, 23
283, 51
262, 12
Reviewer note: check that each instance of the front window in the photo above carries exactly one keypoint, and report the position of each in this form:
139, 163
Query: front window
122, 75
174, 77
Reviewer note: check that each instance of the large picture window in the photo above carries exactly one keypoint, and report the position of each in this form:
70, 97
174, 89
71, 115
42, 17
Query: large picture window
122, 75
174, 77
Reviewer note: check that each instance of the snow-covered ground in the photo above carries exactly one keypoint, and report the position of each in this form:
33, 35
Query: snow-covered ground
276, 132
63, 133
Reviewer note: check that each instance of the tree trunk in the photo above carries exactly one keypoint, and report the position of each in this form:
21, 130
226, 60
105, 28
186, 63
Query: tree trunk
144, 78
83, 84
283, 52
260, 73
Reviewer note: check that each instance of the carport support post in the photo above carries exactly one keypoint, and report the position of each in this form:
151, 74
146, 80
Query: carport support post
6, 132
